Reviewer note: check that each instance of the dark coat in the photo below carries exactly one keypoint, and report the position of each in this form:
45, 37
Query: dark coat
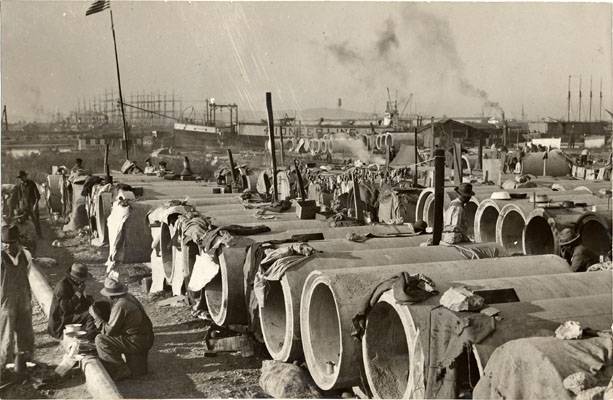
66, 307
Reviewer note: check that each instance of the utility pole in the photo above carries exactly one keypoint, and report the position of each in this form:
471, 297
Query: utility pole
590, 112
568, 112
271, 138
580, 78
5, 121
600, 111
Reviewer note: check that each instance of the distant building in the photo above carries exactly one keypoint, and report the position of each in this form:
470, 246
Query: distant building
447, 131
576, 129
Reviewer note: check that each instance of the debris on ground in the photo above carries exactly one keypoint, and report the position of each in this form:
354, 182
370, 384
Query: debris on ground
284, 380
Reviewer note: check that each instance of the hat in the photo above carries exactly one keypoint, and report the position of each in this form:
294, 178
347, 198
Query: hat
420, 226
10, 234
567, 236
465, 189
113, 288
79, 271
22, 174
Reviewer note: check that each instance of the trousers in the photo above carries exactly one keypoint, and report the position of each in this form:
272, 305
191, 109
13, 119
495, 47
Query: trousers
16, 333
111, 348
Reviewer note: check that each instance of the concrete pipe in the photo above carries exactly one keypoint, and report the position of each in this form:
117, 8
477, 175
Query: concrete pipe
540, 235
279, 316
542, 317
332, 245
481, 193
395, 374
334, 233
225, 297
166, 251
572, 184
101, 209
205, 202
330, 299
510, 225
556, 164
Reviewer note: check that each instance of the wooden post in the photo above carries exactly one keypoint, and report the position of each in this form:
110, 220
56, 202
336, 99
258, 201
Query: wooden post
300, 183
232, 167
282, 145
416, 158
457, 163
480, 153
123, 113
359, 212
271, 138
439, 193
107, 171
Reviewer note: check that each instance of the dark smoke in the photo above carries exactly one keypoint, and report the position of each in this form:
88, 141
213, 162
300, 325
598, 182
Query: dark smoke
343, 53
387, 39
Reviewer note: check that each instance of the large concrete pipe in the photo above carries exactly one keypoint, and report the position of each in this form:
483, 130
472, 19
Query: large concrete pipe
213, 203
78, 214
334, 233
332, 245
330, 299
556, 164
159, 193
542, 317
487, 213
280, 314
396, 366
543, 225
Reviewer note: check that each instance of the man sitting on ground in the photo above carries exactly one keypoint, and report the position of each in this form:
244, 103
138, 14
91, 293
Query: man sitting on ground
455, 222
70, 304
578, 256
128, 332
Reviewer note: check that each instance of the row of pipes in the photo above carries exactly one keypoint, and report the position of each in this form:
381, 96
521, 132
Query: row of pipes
331, 144
308, 313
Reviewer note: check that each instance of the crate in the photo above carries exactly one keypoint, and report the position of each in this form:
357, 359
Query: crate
306, 209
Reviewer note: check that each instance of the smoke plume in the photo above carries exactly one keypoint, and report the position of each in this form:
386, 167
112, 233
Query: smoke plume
387, 39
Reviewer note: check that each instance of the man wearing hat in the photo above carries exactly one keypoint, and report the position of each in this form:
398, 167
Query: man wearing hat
29, 196
70, 304
128, 332
578, 256
455, 223
16, 333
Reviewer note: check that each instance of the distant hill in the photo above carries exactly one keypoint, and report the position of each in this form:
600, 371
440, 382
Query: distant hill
309, 114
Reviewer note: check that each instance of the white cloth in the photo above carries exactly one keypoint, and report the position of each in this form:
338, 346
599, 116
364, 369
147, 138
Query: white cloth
205, 269
115, 222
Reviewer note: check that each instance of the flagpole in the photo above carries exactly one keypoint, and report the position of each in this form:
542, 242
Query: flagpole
123, 114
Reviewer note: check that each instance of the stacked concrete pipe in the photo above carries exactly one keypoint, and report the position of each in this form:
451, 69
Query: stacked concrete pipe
336, 233
226, 289
331, 298
542, 316
543, 226
279, 315
394, 347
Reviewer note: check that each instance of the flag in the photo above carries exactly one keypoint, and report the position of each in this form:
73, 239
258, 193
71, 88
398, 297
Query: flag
97, 6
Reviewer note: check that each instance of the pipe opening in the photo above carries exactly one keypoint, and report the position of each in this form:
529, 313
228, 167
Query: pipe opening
511, 232
596, 237
487, 224
470, 209
166, 250
213, 293
274, 319
538, 238
325, 331
429, 210
421, 202
386, 354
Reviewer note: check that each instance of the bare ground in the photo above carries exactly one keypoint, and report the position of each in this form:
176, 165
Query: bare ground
178, 364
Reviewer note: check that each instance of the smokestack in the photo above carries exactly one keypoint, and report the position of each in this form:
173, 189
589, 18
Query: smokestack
340, 102
580, 78
590, 112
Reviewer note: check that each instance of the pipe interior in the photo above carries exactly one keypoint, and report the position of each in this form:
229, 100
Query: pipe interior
387, 352
213, 292
273, 317
192, 251
470, 209
166, 250
429, 210
419, 214
487, 224
596, 237
511, 232
538, 237
324, 330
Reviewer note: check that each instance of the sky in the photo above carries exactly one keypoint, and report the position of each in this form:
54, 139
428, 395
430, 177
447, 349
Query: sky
454, 57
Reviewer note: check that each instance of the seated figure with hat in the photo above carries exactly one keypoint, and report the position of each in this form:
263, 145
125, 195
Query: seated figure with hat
455, 221
128, 332
578, 256
70, 304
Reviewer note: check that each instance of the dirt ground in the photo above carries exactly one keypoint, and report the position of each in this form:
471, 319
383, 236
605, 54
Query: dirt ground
179, 366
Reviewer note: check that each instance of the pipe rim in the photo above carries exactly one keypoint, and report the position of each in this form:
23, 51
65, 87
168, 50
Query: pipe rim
323, 379
419, 206
218, 307
538, 217
414, 349
484, 207
284, 352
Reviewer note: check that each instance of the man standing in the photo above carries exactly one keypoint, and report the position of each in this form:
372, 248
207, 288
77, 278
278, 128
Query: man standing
70, 304
16, 333
128, 332
455, 224
29, 196
579, 257
27, 231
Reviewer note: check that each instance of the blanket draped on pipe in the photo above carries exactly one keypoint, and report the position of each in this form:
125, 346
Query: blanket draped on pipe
115, 222
535, 368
